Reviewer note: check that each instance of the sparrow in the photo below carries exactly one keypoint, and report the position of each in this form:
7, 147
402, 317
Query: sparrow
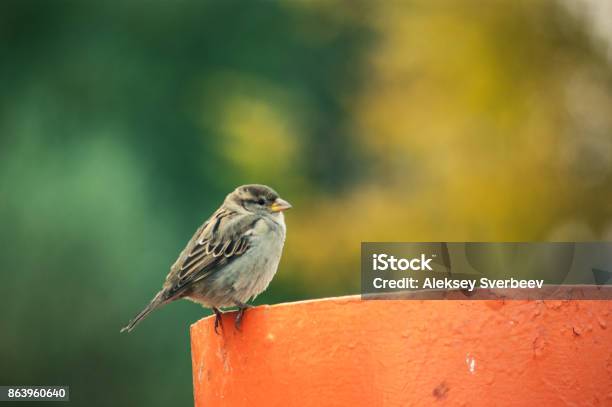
231, 258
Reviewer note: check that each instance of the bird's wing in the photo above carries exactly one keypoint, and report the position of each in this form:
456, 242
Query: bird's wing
220, 240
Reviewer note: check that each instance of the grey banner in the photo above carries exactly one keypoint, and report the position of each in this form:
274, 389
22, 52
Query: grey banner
34, 393
440, 270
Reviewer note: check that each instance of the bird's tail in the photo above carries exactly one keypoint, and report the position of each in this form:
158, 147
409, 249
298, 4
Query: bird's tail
156, 302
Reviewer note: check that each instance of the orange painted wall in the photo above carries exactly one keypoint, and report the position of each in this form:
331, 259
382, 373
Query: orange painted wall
348, 352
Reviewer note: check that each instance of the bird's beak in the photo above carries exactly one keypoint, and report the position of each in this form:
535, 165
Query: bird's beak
280, 205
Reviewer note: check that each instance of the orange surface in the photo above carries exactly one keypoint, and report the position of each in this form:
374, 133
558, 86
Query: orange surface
348, 352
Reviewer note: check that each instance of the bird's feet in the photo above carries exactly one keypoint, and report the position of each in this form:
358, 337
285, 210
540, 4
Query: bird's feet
241, 308
218, 320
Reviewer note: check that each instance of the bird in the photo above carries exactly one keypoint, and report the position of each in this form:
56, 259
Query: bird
231, 258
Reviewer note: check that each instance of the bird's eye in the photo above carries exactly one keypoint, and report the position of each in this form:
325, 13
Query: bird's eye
261, 201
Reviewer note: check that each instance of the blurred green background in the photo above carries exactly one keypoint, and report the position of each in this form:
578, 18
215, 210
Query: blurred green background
124, 124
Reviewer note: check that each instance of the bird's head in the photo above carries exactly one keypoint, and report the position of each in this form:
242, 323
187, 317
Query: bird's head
258, 199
